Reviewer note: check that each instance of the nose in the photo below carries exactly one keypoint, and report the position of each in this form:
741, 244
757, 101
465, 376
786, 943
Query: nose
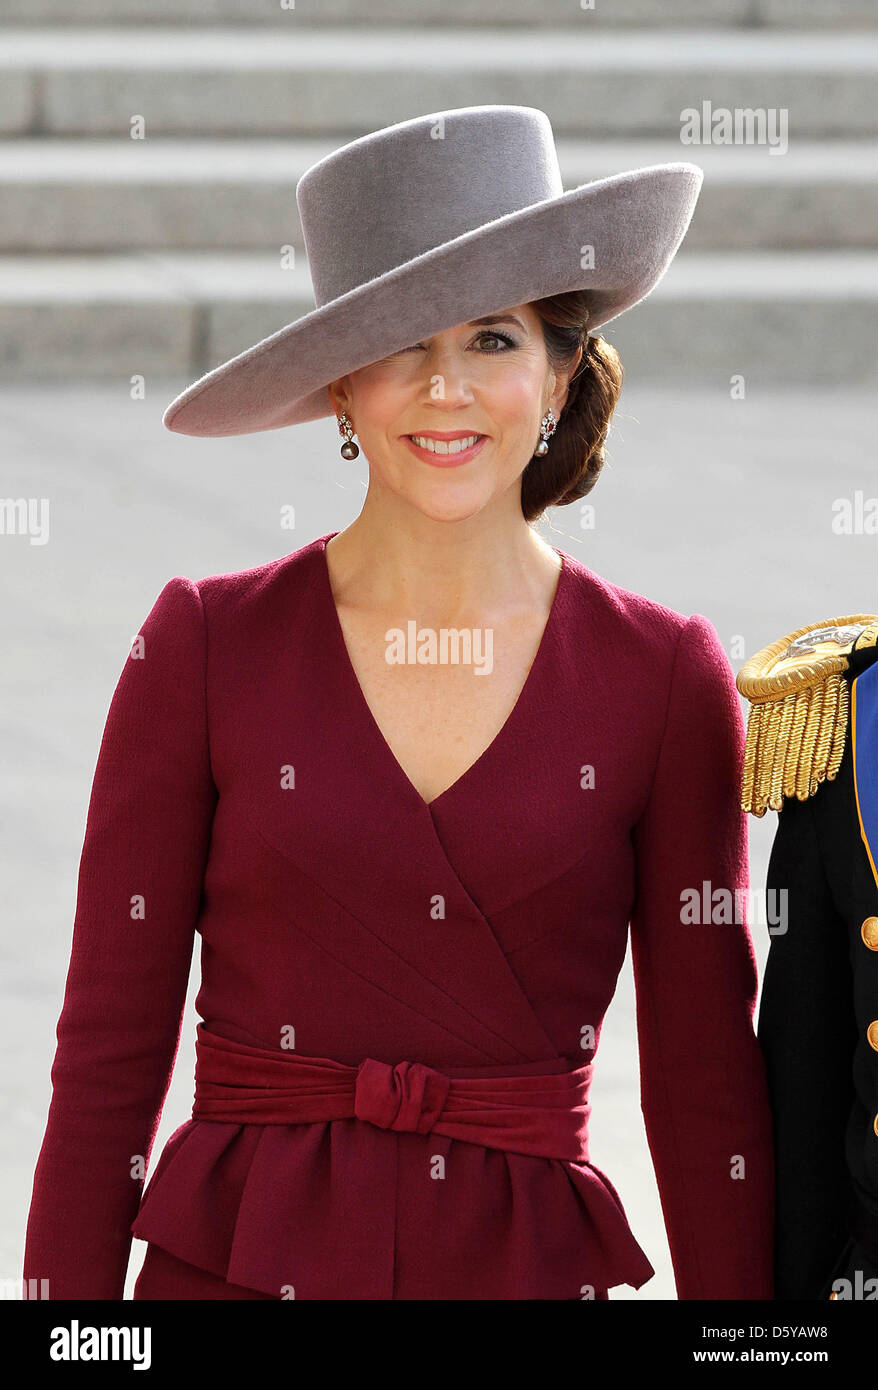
448, 374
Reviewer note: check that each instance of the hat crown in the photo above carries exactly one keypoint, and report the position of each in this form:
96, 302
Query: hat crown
398, 193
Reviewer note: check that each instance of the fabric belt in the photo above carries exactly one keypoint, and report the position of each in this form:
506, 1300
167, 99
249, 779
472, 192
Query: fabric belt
538, 1108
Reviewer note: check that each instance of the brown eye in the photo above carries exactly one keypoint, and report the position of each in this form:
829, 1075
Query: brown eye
498, 338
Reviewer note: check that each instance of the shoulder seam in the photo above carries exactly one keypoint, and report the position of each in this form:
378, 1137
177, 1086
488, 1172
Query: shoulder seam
196, 584
661, 743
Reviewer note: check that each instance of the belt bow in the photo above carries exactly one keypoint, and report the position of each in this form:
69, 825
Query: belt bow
408, 1096
538, 1108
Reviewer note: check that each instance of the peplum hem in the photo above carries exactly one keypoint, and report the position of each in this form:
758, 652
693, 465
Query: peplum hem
243, 1201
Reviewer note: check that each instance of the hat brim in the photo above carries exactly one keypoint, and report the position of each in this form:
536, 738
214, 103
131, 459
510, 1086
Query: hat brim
635, 222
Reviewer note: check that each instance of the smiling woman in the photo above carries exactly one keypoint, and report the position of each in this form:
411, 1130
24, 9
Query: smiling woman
414, 888
518, 379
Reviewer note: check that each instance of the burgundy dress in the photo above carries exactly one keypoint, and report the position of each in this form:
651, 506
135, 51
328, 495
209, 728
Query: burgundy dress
401, 1001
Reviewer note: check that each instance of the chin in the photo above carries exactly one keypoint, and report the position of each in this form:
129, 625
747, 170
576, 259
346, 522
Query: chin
449, 508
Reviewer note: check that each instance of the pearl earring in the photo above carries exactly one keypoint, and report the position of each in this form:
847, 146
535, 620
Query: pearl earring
349, 449
548, 425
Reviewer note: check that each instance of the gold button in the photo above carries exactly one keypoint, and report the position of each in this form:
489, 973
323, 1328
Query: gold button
875, 1124
869, 933
872, 1034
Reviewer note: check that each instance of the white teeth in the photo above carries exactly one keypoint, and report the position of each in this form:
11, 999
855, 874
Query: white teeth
445, 446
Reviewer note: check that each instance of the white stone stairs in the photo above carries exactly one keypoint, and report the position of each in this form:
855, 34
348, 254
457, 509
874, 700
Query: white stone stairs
161, 255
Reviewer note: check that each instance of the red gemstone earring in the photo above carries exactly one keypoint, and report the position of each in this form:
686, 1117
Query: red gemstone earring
548, 425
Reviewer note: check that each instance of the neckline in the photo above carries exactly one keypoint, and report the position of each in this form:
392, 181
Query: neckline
524, 694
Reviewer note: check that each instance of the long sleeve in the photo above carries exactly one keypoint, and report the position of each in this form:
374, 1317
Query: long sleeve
704, 1094
139, 891
808, 1033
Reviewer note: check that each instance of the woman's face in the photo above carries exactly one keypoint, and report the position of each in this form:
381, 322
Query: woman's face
489, 378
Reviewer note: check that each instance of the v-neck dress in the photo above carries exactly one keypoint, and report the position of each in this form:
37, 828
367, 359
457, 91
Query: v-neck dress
245, 793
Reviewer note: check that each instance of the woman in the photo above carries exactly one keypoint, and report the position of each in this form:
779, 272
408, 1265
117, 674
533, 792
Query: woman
413, 888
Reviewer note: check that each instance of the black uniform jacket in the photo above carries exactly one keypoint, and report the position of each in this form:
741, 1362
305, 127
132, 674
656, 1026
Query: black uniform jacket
818, 1027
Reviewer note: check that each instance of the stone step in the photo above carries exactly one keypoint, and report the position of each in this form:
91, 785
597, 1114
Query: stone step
215, 81
548, 13
793, 317
112, 195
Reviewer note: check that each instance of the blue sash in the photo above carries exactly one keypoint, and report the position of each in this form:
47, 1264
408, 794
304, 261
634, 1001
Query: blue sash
864, 733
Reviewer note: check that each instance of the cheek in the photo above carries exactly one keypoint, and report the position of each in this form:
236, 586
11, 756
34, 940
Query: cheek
508, 395
513, 398
381, 395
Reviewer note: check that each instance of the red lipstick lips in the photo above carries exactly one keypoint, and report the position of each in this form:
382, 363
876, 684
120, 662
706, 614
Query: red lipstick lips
446, 460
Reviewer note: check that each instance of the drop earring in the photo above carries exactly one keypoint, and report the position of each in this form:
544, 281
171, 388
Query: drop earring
349, 449
548, 425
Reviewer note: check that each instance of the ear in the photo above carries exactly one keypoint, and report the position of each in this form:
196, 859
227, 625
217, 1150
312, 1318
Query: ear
339, 396
562, 384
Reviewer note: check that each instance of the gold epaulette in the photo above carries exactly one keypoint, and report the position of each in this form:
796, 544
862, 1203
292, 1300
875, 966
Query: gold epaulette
799, 707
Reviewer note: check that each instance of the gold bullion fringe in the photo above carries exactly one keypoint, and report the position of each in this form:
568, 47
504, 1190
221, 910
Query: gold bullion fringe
793, 744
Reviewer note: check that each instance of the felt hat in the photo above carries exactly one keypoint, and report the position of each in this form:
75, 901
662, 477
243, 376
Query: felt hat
433, 222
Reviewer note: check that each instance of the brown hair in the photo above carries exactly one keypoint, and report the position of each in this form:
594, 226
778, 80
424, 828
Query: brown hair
576, 449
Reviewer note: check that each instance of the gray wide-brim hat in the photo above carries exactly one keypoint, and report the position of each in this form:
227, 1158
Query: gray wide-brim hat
434, 222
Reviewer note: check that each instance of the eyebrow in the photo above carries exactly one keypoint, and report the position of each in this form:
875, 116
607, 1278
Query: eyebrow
498, 318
